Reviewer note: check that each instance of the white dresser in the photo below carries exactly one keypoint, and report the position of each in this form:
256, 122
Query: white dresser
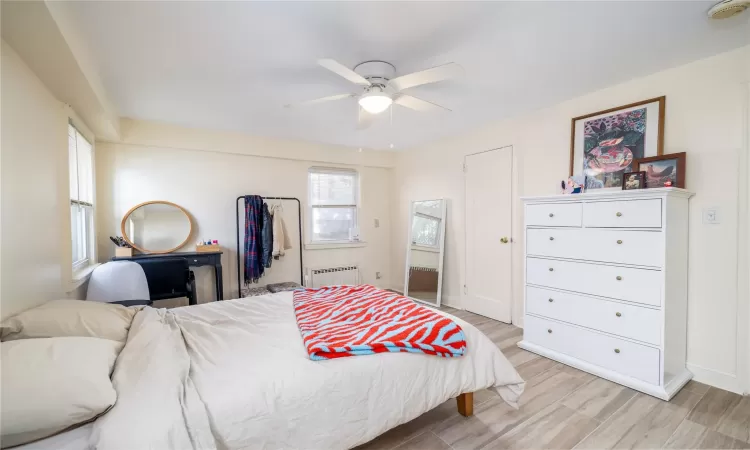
606, 285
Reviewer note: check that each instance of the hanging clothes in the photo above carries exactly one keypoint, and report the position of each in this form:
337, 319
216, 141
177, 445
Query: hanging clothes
281, 241
267, 238
253, 238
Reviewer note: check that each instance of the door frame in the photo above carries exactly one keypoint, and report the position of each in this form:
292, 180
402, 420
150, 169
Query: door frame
513, 216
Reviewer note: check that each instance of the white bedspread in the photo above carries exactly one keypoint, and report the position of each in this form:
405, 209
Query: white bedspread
235, 375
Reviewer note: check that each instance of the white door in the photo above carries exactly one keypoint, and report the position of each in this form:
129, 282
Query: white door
488, 226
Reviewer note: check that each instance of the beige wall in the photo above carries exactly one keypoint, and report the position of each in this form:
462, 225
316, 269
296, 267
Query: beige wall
706, 117
34, 165
205, 171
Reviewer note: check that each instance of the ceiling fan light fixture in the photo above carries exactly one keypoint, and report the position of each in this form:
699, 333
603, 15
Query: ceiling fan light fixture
375, 102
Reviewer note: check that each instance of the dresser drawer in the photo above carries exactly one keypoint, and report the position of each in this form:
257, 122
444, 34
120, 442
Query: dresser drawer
624, 283
625, 213
628, 358
634, 322
554, 214
643, 248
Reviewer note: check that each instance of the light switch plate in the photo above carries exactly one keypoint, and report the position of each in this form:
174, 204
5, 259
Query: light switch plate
377, 223
711, 216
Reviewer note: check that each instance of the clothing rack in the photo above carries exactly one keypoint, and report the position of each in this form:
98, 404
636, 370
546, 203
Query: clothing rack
299, 224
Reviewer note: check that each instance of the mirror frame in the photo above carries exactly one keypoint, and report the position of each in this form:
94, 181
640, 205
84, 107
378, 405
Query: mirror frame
160, 252
443, 212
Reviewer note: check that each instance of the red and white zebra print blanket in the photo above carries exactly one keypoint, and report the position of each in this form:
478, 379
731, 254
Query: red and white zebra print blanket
340, 321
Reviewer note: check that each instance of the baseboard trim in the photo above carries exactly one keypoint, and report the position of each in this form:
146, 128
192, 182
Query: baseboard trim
454, 301
716, 378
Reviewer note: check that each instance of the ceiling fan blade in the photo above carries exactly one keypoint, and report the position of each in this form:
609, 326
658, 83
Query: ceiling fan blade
439, 73
417, 104
365, 119
343, 71
320, 100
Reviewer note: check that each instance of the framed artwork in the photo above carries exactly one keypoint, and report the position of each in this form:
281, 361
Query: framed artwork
664, 170
604, 144
633, 180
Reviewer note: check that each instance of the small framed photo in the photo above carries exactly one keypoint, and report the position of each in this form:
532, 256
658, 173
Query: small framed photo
633, 180
664, 170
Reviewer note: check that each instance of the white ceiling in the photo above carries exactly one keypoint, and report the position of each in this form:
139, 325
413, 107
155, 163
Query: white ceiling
233, 65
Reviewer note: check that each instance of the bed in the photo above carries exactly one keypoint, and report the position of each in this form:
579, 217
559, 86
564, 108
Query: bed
235, 375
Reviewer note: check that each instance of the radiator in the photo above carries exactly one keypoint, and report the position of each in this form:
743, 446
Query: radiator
332, 276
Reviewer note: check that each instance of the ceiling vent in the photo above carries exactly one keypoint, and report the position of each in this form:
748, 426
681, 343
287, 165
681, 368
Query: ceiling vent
728, 8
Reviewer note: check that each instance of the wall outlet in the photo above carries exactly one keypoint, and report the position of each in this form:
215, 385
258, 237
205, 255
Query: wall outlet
711, 216
378, 275
377, 223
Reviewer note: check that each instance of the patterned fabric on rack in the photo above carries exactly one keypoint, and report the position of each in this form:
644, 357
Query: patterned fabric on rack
340, 321
266, 238
253, 238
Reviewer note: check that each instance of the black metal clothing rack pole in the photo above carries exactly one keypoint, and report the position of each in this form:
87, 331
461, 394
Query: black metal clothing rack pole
299, 223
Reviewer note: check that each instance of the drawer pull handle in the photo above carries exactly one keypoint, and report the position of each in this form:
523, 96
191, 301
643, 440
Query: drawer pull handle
551, 238
619, 241
551, 215
619, 278
549, 330
618, 314
551, 300
195, 260
619, 214
551, 269
617, 350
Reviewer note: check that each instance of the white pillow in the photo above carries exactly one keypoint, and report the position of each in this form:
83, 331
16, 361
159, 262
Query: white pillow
49, 385
60, 318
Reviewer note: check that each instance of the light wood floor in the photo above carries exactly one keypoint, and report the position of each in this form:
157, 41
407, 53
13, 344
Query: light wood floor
564, 408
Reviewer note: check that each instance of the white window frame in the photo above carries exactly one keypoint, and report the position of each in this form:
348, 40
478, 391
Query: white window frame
81, 268
436, 246
322, 244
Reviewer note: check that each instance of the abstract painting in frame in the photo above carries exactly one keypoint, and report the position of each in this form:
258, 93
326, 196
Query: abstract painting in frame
604, 144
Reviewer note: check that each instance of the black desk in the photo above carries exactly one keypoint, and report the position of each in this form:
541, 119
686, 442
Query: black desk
195, 259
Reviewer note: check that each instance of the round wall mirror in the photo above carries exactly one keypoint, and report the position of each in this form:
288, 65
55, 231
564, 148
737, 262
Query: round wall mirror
156, 227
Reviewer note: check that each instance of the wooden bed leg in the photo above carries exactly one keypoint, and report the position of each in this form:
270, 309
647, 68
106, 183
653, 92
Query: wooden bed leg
466, 404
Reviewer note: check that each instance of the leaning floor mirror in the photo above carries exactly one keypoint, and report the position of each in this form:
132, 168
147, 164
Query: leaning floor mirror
424, 251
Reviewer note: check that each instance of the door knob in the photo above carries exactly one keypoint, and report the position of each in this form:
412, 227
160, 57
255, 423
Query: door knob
504, 240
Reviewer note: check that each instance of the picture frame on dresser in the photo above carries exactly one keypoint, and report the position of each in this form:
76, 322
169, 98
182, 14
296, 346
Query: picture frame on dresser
664, 170
604, 144
605, 285
633, 180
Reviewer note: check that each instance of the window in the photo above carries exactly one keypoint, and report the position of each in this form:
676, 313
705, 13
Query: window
81, 158
333, 205
425, 230
425, 226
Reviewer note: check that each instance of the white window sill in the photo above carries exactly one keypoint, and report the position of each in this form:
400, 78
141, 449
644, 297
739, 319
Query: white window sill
334, 245
81, 275
422, 248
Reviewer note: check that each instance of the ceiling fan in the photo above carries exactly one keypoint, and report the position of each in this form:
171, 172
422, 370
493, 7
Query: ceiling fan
380, 89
